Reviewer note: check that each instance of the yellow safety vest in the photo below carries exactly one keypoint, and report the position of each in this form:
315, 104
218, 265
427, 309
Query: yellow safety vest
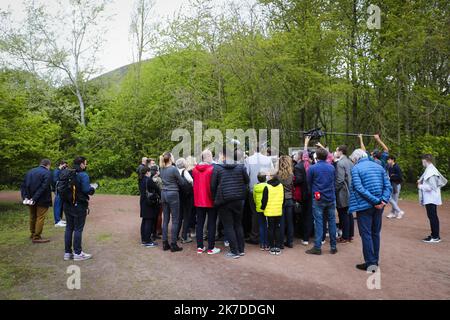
274, 206
258, 190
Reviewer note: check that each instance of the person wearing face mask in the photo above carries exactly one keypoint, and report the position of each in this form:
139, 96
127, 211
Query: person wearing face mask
429, 185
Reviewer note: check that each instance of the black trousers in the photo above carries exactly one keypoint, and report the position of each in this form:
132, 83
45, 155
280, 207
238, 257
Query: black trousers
434, 219
274, 231
306, 220
147, 226
184, 220
231, 216
346, 223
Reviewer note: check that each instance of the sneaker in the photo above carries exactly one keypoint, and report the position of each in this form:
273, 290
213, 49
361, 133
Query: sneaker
314, 251
365, 267
201, 250
342, 240
82, 256
68, 256
262, 248
232, 255
400, 215
242, 254
277, 251
226, 243
166, 245
333, 251
175, 248
289, 245
213, 251
267, 248
430, 239
305, 243
339, 233
150, 245
323, 241
391, 215
187, 240
273, 251
60, 224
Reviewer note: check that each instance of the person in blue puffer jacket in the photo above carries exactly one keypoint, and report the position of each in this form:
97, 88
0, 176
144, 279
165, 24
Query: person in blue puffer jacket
369, 193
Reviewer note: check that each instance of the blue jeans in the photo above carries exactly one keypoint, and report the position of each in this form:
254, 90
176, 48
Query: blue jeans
369, 225
212, 218
171, 206
76, 218
57, 208
262, 222
320, 209
287, 222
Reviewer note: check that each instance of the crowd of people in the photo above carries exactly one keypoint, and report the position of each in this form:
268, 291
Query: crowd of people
261, 200
242, 199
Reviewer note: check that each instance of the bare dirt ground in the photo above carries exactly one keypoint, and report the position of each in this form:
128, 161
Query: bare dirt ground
122, 269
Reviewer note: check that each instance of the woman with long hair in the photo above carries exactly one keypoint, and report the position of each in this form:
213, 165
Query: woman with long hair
286, 176
170, 197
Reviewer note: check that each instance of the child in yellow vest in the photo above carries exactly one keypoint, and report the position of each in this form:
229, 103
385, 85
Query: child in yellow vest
272, 204
258, 190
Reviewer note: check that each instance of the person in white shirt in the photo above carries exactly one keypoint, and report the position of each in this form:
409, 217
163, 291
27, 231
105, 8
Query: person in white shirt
429, 185
255, 164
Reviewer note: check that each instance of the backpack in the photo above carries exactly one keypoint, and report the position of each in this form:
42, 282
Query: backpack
67, 186
152, 198
186, 189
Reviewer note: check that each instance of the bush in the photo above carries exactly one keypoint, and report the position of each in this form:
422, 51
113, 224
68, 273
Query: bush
126, 186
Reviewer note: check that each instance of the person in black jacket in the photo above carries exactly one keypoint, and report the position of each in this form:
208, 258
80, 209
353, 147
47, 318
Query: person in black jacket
149, 205
76, 213
396, 179
305, 200
37, 193
229, 184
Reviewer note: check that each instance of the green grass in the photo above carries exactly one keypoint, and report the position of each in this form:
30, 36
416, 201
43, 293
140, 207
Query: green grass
15, 266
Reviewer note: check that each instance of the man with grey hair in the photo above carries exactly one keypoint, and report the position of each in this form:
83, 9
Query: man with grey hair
254, 165
370, 191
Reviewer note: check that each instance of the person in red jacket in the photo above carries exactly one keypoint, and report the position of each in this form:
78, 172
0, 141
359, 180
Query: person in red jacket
204, 203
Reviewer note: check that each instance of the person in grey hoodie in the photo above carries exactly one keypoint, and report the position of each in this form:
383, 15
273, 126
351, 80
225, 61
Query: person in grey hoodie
170, 198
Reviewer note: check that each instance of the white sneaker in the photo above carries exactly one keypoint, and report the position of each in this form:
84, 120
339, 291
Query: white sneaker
339, 233
391, 215
400, 215
214, 251
68, 256
201, 250
226, 243
323, 242
305, 243
60, 224
82, 256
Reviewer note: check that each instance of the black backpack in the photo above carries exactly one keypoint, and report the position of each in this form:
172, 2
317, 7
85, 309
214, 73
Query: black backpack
67, 186
152, 198
186, 189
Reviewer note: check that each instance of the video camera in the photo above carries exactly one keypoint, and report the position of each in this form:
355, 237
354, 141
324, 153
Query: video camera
316, 133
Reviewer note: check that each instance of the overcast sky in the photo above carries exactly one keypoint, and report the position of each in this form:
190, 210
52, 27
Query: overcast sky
117, 50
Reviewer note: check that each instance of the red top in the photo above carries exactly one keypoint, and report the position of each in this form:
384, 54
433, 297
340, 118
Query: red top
202, 185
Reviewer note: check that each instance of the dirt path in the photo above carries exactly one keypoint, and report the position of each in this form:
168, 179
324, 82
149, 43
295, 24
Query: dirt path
122, 269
